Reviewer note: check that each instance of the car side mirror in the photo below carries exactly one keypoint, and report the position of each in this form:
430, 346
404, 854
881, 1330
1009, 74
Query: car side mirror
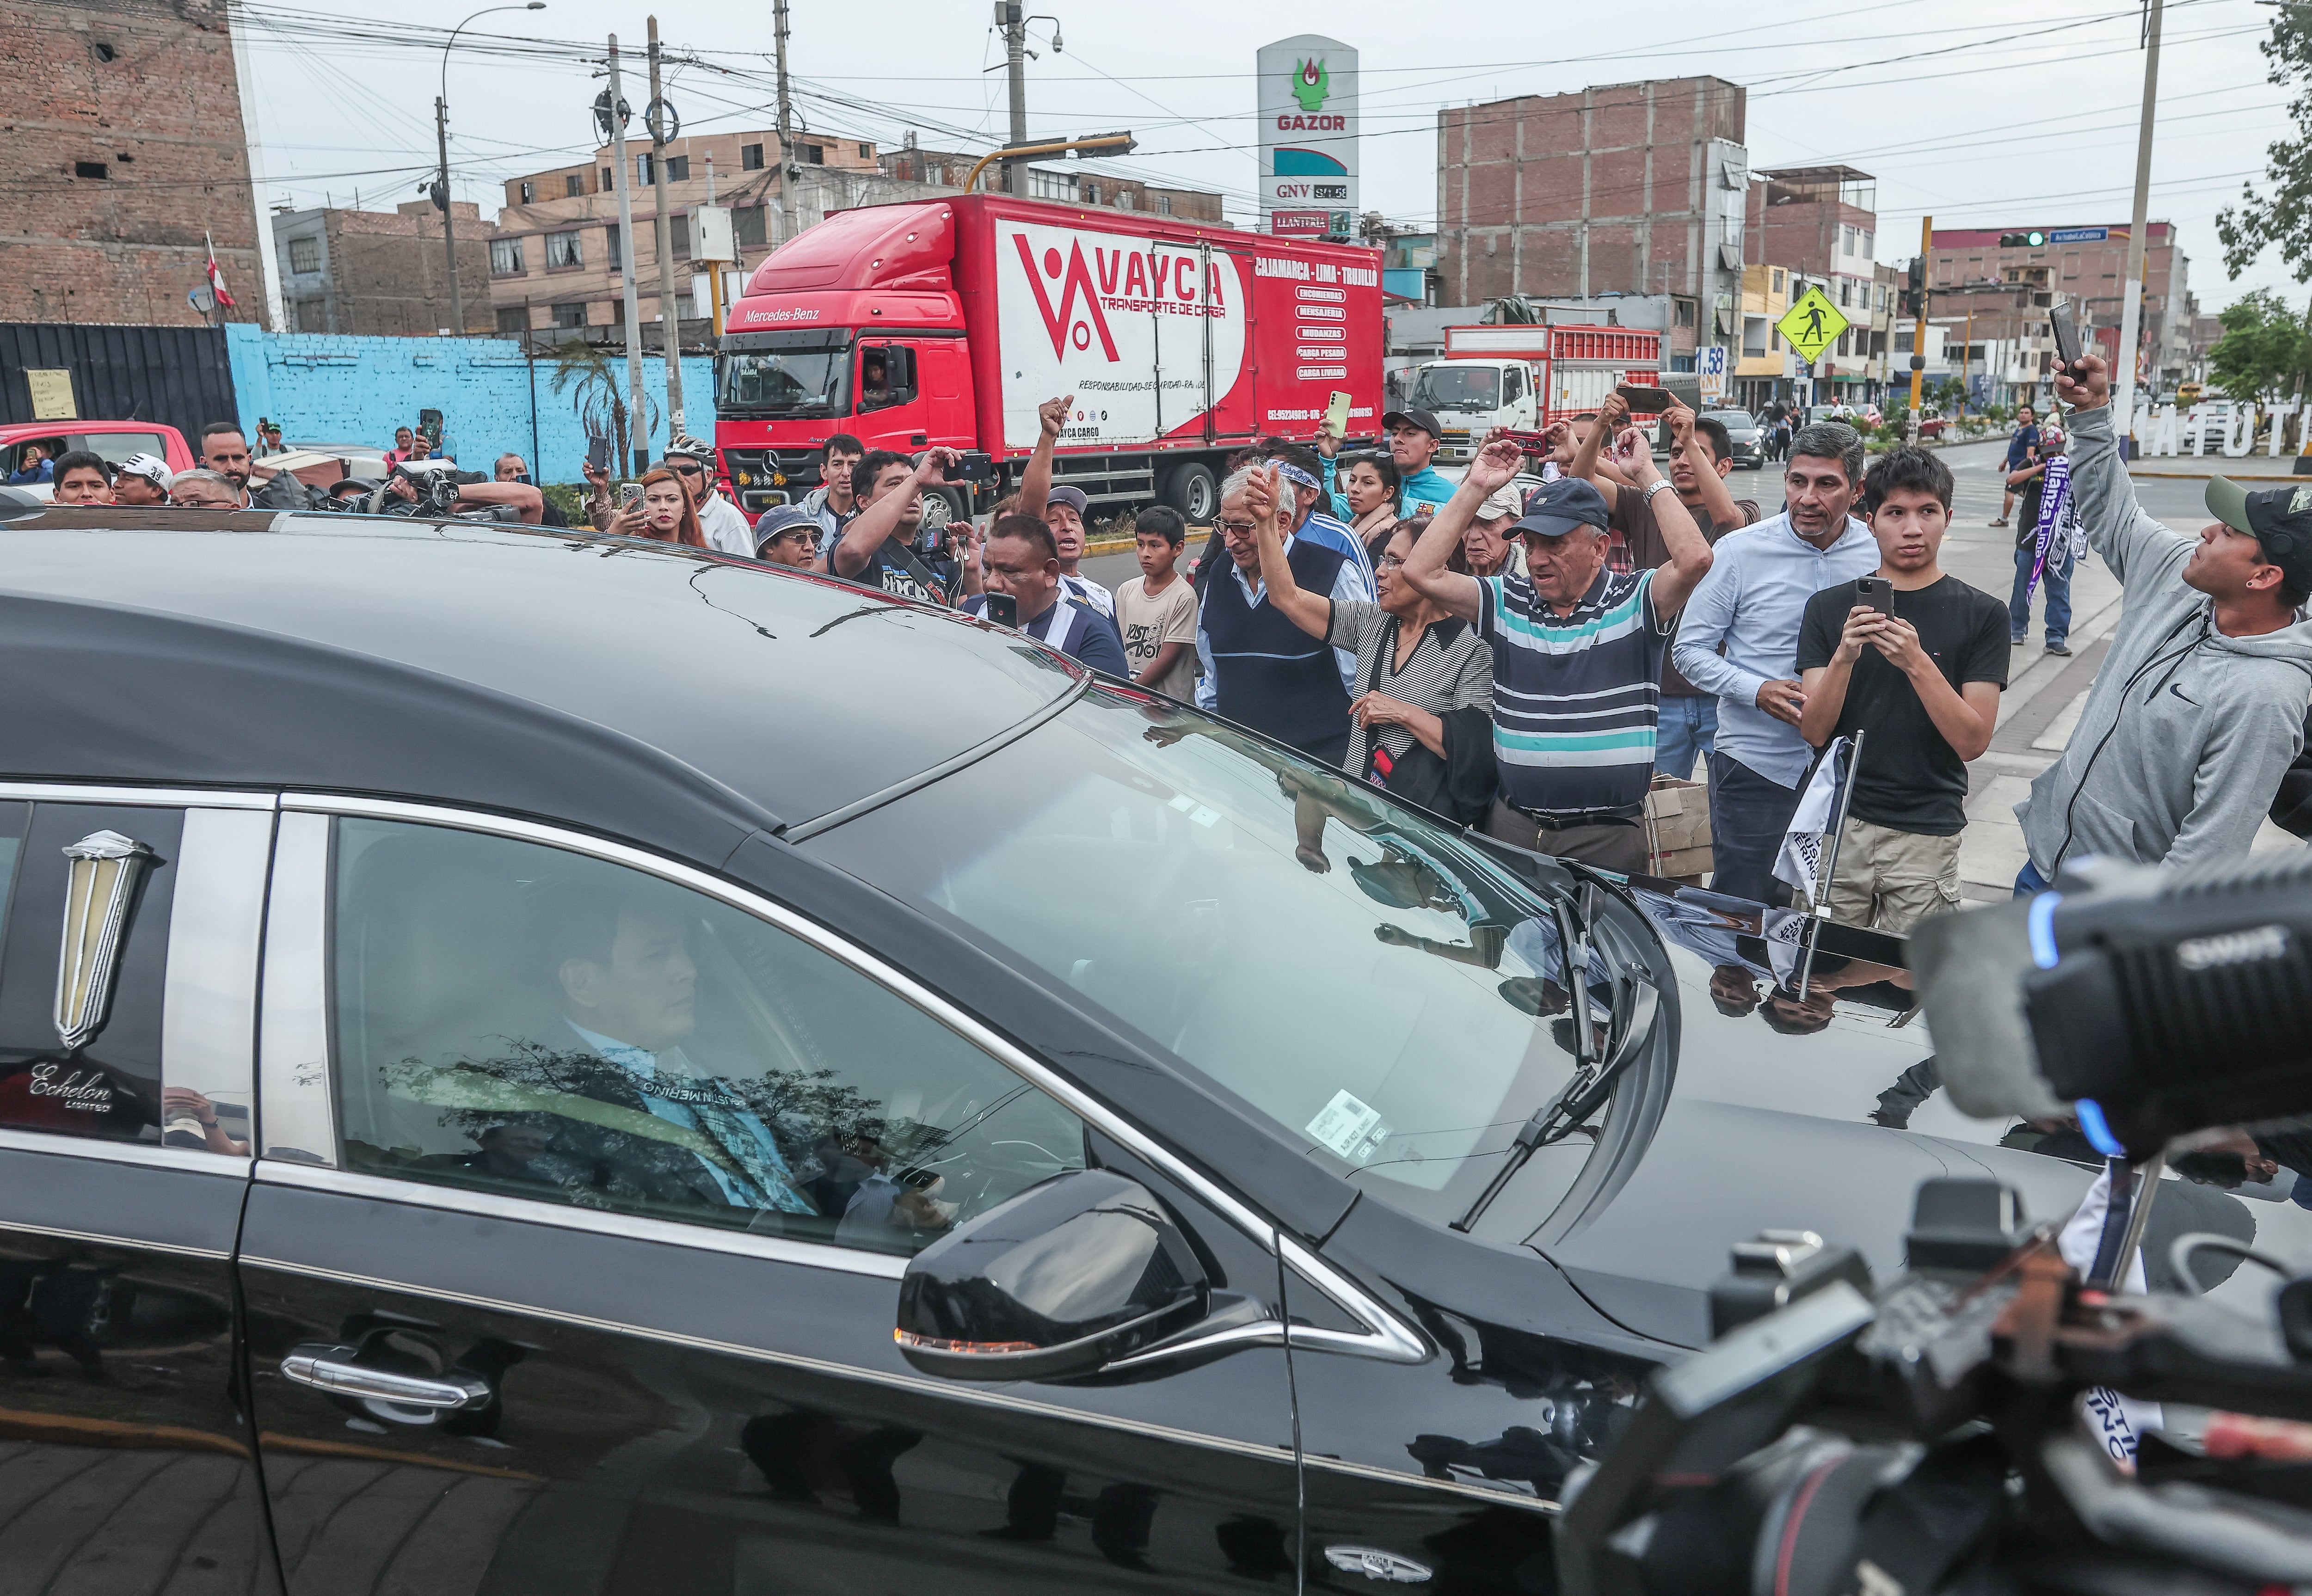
1058, 1281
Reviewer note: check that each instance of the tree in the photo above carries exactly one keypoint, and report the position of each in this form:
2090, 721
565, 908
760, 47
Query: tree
2264, 348
600, 405
2284, 215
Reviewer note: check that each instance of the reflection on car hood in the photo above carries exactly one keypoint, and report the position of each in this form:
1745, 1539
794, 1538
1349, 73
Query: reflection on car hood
1820, 1115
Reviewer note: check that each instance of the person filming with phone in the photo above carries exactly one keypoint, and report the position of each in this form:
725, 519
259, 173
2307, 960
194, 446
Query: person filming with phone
1914, 660
2199, 706
1023, 588
876, 548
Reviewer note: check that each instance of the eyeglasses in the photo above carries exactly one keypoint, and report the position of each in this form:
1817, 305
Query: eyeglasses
689, 470
1391, 562
1239, 526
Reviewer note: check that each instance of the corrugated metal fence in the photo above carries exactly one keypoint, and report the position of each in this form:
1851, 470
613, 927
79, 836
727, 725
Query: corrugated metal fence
177, 375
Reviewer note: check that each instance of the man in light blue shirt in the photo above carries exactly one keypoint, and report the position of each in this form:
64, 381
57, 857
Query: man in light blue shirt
1752, 603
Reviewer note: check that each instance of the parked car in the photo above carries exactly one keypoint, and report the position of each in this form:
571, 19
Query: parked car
1747, 436
1931, 422
530, 1125
116, 441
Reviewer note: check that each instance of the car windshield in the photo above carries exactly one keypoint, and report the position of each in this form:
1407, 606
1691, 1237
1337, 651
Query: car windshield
1458, 386
782, 382
1383, 994
1735, 418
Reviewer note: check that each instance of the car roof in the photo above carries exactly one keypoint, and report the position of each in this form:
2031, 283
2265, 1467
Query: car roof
672, 696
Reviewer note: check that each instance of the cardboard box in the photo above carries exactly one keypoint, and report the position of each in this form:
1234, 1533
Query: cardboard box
1678, 828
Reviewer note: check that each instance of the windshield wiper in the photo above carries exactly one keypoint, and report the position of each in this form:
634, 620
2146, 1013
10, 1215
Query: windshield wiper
1597, 1068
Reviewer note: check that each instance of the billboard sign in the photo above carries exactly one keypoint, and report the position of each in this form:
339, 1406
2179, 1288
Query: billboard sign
1308, 101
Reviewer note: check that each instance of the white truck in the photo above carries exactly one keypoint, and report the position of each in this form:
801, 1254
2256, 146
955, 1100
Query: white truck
1522, 375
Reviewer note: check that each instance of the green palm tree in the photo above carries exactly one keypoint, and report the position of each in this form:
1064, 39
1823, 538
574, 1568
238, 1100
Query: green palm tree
601, 406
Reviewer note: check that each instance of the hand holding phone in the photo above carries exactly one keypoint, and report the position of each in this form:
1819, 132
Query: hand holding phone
2063, 321
1336, 415
630, 494
1004, 610
1642, 401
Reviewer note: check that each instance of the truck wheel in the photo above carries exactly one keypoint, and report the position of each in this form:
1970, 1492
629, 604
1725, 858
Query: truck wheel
1191, 490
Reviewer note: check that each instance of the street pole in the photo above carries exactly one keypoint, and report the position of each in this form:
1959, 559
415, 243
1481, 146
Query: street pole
638, 453
786, 119
670, 314
1967, 353
1013, 18
1919, 333
2131, 315
448, 237
713, 267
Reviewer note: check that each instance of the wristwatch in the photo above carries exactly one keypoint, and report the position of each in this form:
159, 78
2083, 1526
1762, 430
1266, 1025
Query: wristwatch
1656, 487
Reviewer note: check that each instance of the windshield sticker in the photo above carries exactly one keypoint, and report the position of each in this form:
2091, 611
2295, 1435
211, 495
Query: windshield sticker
1349, 1129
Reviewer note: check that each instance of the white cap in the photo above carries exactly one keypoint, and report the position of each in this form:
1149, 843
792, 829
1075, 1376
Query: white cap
1507, 500
150, 467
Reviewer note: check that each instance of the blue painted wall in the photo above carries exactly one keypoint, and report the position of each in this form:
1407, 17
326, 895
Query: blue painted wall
326, 388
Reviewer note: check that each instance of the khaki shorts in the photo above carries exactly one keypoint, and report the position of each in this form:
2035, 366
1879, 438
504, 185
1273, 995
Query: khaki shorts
1889, 881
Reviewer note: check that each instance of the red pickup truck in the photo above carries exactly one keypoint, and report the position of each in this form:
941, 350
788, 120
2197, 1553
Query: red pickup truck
116, 441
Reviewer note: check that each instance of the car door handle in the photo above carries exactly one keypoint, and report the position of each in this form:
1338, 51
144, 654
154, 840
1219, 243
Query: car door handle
332, 1369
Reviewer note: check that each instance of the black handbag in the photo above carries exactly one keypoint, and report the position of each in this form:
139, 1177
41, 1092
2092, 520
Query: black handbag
1459, 787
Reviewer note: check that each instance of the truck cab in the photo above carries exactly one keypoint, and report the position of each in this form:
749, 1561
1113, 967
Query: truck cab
853, 326
1473, 397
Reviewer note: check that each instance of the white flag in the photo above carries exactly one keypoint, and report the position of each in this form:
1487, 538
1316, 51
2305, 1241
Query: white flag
1800, 862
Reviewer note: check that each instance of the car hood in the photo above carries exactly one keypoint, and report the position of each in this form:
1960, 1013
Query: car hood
1771, 1126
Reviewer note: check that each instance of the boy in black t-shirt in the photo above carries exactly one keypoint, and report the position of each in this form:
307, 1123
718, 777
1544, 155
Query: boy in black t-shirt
1922, 682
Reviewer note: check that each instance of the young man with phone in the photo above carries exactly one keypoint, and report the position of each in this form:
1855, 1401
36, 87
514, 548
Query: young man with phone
1915, 660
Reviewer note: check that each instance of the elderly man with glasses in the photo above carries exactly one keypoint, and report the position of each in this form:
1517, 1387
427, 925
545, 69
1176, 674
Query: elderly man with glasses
724, 522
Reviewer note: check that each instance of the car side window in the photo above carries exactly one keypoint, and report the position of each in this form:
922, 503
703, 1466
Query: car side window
86, 890
517, 1019
887, 376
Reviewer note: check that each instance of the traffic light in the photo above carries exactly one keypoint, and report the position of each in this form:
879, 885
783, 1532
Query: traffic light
2022, 240
1912, 302
1907, 304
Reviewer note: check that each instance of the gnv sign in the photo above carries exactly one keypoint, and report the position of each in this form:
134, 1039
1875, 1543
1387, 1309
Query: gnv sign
1107, 317
1308, 137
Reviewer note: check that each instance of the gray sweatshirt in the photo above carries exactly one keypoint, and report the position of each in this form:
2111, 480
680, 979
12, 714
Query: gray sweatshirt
2195, 728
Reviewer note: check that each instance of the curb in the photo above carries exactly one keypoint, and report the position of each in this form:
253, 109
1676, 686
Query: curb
2209, 476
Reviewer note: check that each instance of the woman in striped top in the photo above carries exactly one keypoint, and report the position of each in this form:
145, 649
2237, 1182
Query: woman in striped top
1421, 713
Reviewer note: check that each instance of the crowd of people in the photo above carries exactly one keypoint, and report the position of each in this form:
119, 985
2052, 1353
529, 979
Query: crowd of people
1526, 650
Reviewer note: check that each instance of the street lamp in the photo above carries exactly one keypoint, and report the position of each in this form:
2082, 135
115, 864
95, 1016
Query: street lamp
441, 147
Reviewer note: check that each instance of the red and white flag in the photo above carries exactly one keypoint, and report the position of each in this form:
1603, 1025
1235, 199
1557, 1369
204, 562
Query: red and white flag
217, 276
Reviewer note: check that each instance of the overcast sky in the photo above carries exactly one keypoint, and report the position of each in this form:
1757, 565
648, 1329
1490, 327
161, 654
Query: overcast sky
1985, 113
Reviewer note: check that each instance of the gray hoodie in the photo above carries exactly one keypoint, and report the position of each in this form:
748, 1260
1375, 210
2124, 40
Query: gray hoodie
2195, 728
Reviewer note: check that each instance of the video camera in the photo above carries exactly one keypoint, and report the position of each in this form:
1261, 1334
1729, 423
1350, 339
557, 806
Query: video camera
1927, 1436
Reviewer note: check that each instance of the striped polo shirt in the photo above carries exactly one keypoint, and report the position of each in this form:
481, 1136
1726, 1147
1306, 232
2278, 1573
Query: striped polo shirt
1576, 697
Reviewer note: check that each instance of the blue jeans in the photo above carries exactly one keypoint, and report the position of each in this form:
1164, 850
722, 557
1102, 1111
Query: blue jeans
2029, 883
1688, 729
2056, 584
1749, 816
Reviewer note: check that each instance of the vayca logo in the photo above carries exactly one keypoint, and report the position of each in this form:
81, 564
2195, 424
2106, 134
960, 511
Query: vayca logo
1071, 279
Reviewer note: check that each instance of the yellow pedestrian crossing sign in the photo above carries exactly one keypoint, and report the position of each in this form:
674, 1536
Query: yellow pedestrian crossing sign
1812, 325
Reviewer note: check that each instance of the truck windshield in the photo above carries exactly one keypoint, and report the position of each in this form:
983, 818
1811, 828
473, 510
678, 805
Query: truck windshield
784, 382
1457, 385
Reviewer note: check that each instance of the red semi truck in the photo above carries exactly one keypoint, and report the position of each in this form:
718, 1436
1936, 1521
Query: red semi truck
948, 322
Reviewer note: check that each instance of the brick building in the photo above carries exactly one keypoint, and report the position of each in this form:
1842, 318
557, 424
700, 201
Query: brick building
124, 134
1629, 187
382, 273
1061, 183
2009, 287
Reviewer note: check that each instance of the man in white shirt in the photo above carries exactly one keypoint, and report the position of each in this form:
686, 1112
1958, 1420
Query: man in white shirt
1753, 602
725, 525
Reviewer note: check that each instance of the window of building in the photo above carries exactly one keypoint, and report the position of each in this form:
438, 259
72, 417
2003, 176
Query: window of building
304, 254
513, 322
505, 257
642, 170
678, 168
747, 224
678, 231
613, 257
1685, 312
1869, 244
1124, 199
1050, 185
866, 151
750, 157
1092, 193
1163, 204
1778, 280
96, 170
1845, 292
568, 316
574, 184
812, 155
563, 250
542, 1059
610, 179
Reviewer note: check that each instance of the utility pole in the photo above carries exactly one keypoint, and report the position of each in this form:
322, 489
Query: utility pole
2131, 313
670, 314
623, 180
713, 267
786, 119
1012, 18
1919, 332
441, 192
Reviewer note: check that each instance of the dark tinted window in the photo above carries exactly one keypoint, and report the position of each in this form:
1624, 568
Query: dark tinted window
524, 1021
109, 1084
